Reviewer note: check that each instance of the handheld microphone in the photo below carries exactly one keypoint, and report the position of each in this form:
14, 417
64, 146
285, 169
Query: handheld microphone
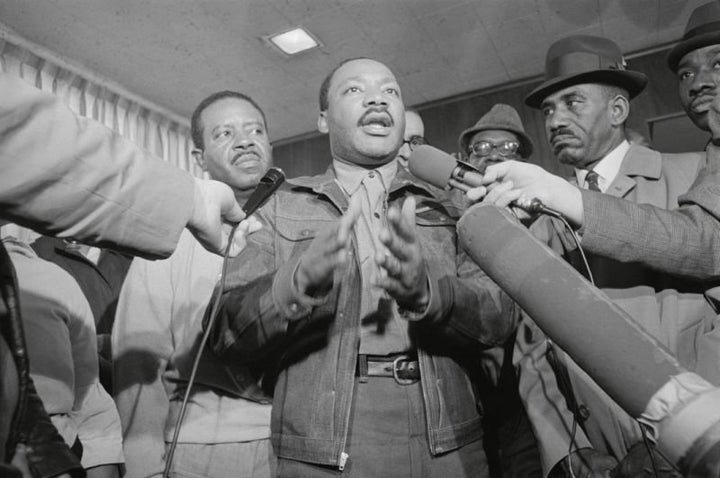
443, 171
266, 187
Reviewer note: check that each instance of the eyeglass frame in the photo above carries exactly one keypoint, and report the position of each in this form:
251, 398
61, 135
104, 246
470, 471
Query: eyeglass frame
414, 141
495, 147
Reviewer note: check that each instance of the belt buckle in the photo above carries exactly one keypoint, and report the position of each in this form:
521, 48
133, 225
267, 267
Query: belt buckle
401, 381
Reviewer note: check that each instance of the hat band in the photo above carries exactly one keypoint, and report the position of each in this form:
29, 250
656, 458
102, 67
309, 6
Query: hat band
579, 62
712, 27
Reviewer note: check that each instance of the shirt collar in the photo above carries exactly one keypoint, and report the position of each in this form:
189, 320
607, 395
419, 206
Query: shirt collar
350, 176
607, 168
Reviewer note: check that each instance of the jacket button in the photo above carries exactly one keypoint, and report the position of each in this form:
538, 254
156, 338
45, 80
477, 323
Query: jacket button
294, 307
583, 412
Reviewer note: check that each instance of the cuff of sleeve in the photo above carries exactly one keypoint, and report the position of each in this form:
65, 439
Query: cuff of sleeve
291, 303
589, 201
433, 307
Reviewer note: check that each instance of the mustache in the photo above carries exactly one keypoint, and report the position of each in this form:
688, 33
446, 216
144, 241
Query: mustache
373, 110
561, 132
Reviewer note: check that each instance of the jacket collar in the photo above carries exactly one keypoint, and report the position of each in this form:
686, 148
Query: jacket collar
639, 161
326, 185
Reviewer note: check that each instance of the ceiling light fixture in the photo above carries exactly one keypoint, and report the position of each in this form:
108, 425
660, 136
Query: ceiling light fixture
292, 42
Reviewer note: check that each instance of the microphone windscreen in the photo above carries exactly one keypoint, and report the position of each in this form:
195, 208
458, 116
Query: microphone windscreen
626, 361
432, 165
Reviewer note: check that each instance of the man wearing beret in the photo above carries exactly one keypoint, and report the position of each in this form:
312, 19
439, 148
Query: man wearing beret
586, 101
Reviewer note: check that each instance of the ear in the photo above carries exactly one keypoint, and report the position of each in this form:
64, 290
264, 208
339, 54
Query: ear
619, 109
322, 125
197, 155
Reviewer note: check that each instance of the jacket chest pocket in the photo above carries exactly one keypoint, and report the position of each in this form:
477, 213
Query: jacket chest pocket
436, 232
294, 235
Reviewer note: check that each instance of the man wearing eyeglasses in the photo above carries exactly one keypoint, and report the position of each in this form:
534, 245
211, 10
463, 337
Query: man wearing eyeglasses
414, 135
497, 136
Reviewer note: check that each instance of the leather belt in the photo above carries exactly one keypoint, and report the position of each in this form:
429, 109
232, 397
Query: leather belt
405, 369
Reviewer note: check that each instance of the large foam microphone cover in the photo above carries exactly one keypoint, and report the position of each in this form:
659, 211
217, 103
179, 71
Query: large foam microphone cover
627, 362
432, 165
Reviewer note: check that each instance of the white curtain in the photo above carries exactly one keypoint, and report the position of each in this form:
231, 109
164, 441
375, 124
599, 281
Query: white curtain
137, 121
166, 138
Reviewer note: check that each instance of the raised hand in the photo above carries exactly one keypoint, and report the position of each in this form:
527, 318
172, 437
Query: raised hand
406, 278
327, 252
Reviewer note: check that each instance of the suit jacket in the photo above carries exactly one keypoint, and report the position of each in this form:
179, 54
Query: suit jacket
684, 241
674, 311
70, 176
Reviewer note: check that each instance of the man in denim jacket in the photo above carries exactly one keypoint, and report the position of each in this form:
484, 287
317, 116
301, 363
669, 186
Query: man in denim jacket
357, 278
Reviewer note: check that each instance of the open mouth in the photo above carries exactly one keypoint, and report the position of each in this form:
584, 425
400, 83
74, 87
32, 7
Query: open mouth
376, 122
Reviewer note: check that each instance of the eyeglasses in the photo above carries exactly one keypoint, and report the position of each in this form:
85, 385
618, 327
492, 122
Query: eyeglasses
484, 148
414, 142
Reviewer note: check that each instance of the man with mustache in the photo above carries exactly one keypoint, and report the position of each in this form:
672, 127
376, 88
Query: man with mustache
358, 280
694, 60
586, 100
158, 327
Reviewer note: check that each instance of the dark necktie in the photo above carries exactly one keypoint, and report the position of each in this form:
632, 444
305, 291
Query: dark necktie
592, 181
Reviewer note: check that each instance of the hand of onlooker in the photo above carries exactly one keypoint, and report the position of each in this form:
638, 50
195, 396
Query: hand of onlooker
20, 461
585, 463
522, 182
406, 280
327, 252
215, 210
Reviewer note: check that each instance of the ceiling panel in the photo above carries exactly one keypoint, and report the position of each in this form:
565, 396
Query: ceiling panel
174, 52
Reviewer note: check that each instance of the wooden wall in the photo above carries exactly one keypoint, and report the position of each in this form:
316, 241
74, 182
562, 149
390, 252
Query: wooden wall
446, 119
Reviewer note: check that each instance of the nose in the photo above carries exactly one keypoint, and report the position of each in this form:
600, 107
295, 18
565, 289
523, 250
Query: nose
703, 80
555, 120
243, 141
494, 155
375, 97
404, 151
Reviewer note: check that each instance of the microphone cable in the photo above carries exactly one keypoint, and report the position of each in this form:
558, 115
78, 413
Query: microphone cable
196, 363
268, 184
538, 206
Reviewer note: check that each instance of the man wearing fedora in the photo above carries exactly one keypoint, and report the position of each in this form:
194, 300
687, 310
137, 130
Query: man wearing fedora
694, 61
585, 99
498, 136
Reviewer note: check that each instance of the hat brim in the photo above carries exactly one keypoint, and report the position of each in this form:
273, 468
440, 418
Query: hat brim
632, 81
526, 144
686, 46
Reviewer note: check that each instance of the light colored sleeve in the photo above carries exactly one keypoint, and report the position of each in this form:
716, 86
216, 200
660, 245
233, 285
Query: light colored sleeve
142, 345
94, 412
549, 416
70, 176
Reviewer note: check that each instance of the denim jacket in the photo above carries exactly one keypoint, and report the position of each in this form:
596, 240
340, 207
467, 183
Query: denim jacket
318, 339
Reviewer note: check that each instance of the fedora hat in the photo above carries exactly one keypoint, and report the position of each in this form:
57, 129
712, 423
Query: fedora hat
585, 59
702, 29
501, 117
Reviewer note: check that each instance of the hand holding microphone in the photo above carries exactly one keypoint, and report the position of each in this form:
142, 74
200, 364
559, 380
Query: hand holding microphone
442, 170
